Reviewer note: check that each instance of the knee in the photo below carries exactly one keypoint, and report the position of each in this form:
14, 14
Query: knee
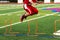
36, 12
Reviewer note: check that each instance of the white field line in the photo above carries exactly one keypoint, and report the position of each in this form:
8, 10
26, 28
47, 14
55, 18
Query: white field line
22, 7
13, 12
29, 20
19, 11
10, 13
8, 8
11, 5
58, 14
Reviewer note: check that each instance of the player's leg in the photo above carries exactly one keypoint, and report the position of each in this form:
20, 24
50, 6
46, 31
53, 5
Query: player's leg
30, 11
34, 10
24, 16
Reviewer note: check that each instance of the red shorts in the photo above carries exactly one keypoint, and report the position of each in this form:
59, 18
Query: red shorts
30, 9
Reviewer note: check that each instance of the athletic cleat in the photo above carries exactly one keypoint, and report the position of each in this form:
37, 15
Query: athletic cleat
23, 17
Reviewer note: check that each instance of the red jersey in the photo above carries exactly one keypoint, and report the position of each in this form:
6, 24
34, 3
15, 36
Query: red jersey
29, 8
34, 1
26, 1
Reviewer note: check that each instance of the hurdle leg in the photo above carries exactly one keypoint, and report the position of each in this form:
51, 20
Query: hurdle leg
55, 26
36, 31
6, 31
28, 28
10, 31
10, 27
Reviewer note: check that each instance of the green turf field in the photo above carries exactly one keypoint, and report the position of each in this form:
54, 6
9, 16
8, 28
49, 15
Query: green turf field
10, 16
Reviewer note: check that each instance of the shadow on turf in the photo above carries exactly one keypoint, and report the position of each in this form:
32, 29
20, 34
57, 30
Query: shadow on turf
40, 36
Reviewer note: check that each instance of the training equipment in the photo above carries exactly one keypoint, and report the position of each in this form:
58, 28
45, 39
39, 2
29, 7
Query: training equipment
11, 33
53, 9
37, 33
56, 32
